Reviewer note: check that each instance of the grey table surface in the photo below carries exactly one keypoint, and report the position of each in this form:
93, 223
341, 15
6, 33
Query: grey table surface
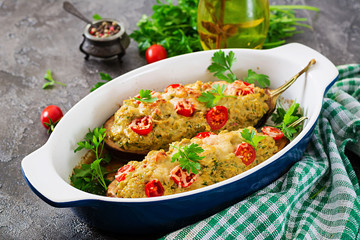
38, 35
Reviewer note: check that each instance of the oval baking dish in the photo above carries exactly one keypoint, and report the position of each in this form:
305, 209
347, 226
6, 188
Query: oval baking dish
47, 170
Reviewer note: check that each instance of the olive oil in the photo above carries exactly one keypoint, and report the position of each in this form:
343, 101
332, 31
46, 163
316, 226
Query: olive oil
232, 23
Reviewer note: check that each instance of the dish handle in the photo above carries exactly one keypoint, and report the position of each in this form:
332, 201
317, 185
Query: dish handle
44, 181
327, 73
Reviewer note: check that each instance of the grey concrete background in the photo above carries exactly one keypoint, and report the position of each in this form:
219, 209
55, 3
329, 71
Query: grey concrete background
38, 35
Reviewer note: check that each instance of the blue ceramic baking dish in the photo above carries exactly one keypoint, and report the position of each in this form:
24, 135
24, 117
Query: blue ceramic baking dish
47, 170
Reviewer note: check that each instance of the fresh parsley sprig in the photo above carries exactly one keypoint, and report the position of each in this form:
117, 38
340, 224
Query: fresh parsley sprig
222, 64
221, 67
103, 76
214, 95
89, 176
188, 157
250, 137
51, 82
284, 119
145, 96
261, 79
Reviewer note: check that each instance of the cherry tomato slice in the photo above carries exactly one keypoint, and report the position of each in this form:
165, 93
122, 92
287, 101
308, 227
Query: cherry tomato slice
182, 178
123, 171
273, 132
50, 116
142, 126
154, 188
203, 135
246, 152
155, 53
174, 86
185, 108
217, 117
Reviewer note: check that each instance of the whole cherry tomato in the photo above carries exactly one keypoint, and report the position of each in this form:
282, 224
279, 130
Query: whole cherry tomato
217, 117
185, 108
154, 188
142, 126
204, 135
273, 132
155, 53
246, 152
50, 116
123, 171
181, 177
174, 86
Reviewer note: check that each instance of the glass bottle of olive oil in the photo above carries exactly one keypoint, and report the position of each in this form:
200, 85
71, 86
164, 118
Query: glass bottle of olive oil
232, 23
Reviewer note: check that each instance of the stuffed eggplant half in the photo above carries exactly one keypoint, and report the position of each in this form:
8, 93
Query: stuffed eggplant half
152, 120
193, 163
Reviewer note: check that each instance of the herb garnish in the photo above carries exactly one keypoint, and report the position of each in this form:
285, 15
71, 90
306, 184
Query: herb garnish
221, 63
51, 82
90, 177
251, 137
145, 96
284, 119
261, 79
103, 76
214, 95
96, 17
188, 157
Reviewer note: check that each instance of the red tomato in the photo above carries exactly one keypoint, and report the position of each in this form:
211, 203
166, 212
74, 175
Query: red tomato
155, 53
142, 126
273, 132
204, 135
123, 171
217, 117
154, 188
50, 116
246, 152
185, 108
173, 86
182, 178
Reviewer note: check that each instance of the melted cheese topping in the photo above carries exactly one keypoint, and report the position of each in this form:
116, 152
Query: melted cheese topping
219, 163
168, 126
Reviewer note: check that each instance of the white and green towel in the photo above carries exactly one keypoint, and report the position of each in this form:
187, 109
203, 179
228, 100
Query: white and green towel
318, 198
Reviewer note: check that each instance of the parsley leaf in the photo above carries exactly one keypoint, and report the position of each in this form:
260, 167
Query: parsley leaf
214, 95
145, 96
290, 116
261, 79
103, 76
96, 17
91, 176
251, 137
221, 64
188, 157
51, 82
284, 119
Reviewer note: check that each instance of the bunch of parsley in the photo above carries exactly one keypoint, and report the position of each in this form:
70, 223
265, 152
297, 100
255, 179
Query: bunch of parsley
90, 177
175, 28
172, 26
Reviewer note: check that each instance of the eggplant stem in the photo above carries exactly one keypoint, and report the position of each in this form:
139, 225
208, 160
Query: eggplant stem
297, 122
276, 92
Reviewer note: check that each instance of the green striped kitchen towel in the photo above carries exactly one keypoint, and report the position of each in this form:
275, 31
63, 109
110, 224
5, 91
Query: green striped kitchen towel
318, 198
